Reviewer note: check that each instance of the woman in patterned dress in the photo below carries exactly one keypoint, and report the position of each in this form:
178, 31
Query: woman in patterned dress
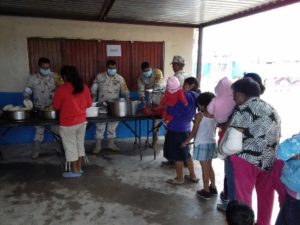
260, 125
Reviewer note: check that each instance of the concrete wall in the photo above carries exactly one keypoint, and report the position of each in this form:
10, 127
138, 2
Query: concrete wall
14, 32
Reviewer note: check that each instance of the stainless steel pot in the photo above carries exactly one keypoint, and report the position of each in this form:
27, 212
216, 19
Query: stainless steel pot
122, 107
119, 108
47, 114
17, 115
134, 107
153, 97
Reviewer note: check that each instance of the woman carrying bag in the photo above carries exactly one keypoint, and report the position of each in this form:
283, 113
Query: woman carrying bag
251, 139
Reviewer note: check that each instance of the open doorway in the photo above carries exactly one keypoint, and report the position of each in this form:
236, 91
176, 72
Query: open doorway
267, 44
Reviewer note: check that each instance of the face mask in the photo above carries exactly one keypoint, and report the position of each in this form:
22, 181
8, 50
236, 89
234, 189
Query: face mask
111, 72
147, 73
44, 72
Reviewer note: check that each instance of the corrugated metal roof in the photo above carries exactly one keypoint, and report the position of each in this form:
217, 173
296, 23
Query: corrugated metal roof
68, 9
165, 12
178, 11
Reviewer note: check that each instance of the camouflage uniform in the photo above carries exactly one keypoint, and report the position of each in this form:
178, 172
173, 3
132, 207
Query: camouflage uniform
108, 88
155, 82
42, 88
181, 75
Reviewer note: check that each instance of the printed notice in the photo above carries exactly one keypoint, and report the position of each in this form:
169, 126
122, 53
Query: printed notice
113, 50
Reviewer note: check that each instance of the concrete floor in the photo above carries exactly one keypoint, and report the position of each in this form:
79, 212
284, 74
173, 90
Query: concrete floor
115, 189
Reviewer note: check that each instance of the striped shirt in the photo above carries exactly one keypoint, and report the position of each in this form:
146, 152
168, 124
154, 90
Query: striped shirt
261, 125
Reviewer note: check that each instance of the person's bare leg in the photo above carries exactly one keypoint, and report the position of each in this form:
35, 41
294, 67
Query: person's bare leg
81, 162
205, 174
212, 175
75, 166
190, 166
179, 170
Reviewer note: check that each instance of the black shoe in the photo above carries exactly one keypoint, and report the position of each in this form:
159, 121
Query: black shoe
203, 194
222, 207
224, 197
213, 191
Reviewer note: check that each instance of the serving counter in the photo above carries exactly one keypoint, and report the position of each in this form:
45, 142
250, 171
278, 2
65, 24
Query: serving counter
136, 129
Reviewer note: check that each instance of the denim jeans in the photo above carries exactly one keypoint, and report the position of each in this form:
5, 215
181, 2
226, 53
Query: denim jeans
290, 212
229, 179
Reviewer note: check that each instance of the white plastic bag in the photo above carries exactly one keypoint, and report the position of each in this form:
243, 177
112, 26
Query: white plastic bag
232, 143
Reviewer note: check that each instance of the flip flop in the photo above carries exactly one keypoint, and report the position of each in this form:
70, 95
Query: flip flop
71, 175
175, 182
192, 179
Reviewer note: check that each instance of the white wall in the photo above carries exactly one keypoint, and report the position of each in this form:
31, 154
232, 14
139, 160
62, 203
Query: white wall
14, 31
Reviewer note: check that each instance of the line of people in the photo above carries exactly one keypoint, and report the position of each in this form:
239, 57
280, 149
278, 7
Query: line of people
248, 141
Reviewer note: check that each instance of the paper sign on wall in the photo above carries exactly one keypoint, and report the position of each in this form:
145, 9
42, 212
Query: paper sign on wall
113, 50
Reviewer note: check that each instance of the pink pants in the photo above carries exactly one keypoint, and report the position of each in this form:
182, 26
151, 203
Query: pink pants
246, 177
277, 184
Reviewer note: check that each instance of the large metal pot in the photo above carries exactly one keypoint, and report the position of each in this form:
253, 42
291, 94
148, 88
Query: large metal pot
123, 107
119, 108
47, 114
17, 114
135, 106
153, 97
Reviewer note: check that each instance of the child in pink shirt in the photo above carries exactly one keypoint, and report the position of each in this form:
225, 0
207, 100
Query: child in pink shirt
223, 104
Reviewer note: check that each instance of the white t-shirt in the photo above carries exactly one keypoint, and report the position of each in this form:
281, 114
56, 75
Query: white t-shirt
206, 133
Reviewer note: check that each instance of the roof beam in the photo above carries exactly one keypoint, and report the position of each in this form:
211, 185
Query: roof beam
151, 23
108, 4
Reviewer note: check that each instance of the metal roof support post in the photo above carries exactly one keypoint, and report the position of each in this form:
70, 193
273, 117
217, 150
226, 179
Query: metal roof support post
108, 4
199, 58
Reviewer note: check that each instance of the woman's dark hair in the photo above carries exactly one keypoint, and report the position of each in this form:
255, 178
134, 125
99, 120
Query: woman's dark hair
43, 60
247, 86
145, 65
193, 81
205, 98
70, 74
256, 78
111, 63
239, 214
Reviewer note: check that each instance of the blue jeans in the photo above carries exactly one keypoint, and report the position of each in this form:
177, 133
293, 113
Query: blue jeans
290, 212
229, 179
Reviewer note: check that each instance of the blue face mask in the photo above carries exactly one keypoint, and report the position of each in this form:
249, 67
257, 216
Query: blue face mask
111, 72
44, 72
147, 74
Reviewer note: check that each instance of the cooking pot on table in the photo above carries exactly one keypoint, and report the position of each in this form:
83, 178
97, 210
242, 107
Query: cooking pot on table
47, 114
122, 107
153, 96
20, 114
135, 106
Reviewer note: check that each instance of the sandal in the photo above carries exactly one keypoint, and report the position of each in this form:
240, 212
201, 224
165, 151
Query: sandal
192, 179
175, 182
71, 175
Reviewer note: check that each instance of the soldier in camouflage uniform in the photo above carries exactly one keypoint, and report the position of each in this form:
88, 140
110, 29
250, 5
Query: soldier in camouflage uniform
178, 63
42, 86
151, 79
108, 86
